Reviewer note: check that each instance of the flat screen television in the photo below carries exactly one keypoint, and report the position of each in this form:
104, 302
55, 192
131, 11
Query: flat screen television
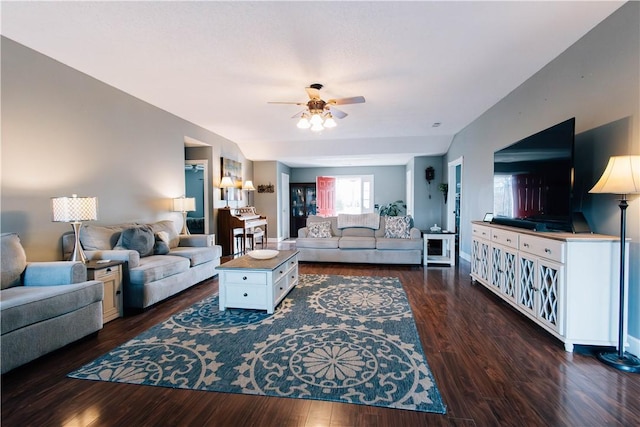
533, 180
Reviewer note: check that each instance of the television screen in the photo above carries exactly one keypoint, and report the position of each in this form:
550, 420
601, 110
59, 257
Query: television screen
533, 178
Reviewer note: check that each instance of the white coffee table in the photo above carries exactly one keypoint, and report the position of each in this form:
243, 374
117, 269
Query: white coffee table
258, 284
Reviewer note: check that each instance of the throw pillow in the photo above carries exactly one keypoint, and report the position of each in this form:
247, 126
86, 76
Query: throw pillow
140, 239
161, 246
397, 227
319, 229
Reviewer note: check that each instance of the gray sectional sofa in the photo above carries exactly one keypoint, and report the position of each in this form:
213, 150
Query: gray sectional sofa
359, 239
151, 277
43, 305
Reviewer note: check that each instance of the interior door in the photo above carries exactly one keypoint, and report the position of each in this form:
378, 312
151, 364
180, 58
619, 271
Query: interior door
326, 195
285, 210
454, 198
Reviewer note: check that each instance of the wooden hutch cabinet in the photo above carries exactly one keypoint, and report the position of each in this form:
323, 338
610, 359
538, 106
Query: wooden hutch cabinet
303, 204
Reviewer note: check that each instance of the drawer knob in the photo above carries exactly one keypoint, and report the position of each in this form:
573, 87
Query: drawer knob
245, 295
281, 288
108, 270
244, 278
118, 292
280, 272
526, 245
547, 250
509, 240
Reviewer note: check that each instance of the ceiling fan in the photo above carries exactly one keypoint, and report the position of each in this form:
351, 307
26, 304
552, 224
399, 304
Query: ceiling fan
319, 114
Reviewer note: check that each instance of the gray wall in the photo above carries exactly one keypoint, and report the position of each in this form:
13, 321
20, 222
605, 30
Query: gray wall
596, 81
64, 132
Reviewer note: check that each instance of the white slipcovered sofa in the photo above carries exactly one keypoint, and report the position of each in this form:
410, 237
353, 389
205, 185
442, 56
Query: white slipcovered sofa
363, 238
176, 262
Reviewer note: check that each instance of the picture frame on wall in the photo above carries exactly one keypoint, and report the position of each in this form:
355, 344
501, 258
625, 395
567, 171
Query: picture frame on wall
232, 169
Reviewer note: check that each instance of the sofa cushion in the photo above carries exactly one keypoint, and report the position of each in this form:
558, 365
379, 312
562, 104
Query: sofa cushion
356, 242
168, 227
101, 237
397, 227
195, 255
403, 244
156, 267
314, 243
13, 260
358, 232
139, 239
320, 229
26, 305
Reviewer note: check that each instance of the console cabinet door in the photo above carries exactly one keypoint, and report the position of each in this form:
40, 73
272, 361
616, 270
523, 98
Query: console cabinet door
550, 285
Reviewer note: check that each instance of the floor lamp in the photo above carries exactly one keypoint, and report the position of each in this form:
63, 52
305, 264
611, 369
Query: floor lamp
75, 209
621, 176
248, 186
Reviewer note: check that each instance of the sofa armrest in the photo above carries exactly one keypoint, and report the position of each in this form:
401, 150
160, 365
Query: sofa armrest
126, 255
197, 240
302, 232
415, 233
54, 273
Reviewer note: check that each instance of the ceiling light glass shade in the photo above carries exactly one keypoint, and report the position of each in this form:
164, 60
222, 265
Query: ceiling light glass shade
329, 122
226, 182
316, 119
621, 176
303, 123
184, 204
74, 208
317, 127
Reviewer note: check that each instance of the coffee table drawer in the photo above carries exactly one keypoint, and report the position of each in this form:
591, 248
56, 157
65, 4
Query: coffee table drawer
246, 296
246, 277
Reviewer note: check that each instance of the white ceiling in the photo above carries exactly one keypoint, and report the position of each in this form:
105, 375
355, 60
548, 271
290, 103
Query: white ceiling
217, 64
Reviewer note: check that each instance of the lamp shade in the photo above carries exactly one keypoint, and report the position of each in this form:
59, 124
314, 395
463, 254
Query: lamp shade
226, 182
74, 209
248, 185
621, 176
184, 204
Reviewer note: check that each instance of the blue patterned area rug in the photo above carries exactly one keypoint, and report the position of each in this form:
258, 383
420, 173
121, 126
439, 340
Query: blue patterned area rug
346, 339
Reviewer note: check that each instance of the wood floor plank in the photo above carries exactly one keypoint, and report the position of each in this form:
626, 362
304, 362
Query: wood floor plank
491, 364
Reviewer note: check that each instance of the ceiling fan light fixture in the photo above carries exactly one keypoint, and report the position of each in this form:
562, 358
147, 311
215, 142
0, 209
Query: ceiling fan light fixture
303, 123
316, 119
317, 127
329, 122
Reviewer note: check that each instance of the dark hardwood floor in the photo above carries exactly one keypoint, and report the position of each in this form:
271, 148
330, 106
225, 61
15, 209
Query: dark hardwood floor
493, 368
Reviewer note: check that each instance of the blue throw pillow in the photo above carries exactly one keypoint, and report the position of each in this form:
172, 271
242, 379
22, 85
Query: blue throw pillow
140, 239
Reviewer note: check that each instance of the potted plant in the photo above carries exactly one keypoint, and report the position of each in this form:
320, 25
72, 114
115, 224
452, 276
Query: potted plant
445, 189
393, 209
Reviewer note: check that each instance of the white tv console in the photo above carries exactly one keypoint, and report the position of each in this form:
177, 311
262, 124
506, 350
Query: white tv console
566, 283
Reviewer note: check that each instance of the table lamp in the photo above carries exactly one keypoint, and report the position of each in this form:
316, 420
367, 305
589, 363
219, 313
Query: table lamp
184, 205
226, 184
75, 209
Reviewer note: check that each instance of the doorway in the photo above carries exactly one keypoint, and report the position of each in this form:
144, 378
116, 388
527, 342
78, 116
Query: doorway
455, 198
195, 181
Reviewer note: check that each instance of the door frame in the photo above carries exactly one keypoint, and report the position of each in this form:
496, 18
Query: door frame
205, 185
451, 182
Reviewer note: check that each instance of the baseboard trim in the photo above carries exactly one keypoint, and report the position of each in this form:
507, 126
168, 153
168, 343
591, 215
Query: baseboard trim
634, 345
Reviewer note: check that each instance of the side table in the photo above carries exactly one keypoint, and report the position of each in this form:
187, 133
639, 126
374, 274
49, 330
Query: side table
110, 273
448, 255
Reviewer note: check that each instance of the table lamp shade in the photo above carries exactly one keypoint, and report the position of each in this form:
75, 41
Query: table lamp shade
184, 204
248, 185
74, 209
226, 182
621, 176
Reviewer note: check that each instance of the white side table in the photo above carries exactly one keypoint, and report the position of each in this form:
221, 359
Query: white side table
110, 273
448, 254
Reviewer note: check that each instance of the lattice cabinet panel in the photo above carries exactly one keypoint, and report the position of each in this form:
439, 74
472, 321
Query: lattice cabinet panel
549, 287
496, 267
527, 284
510, 276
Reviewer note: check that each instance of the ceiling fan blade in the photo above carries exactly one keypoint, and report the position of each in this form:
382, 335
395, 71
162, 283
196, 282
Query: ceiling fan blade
338, 114
292, 103
313, 92
351, 100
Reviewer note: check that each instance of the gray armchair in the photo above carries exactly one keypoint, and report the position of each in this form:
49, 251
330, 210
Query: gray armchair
43, 305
